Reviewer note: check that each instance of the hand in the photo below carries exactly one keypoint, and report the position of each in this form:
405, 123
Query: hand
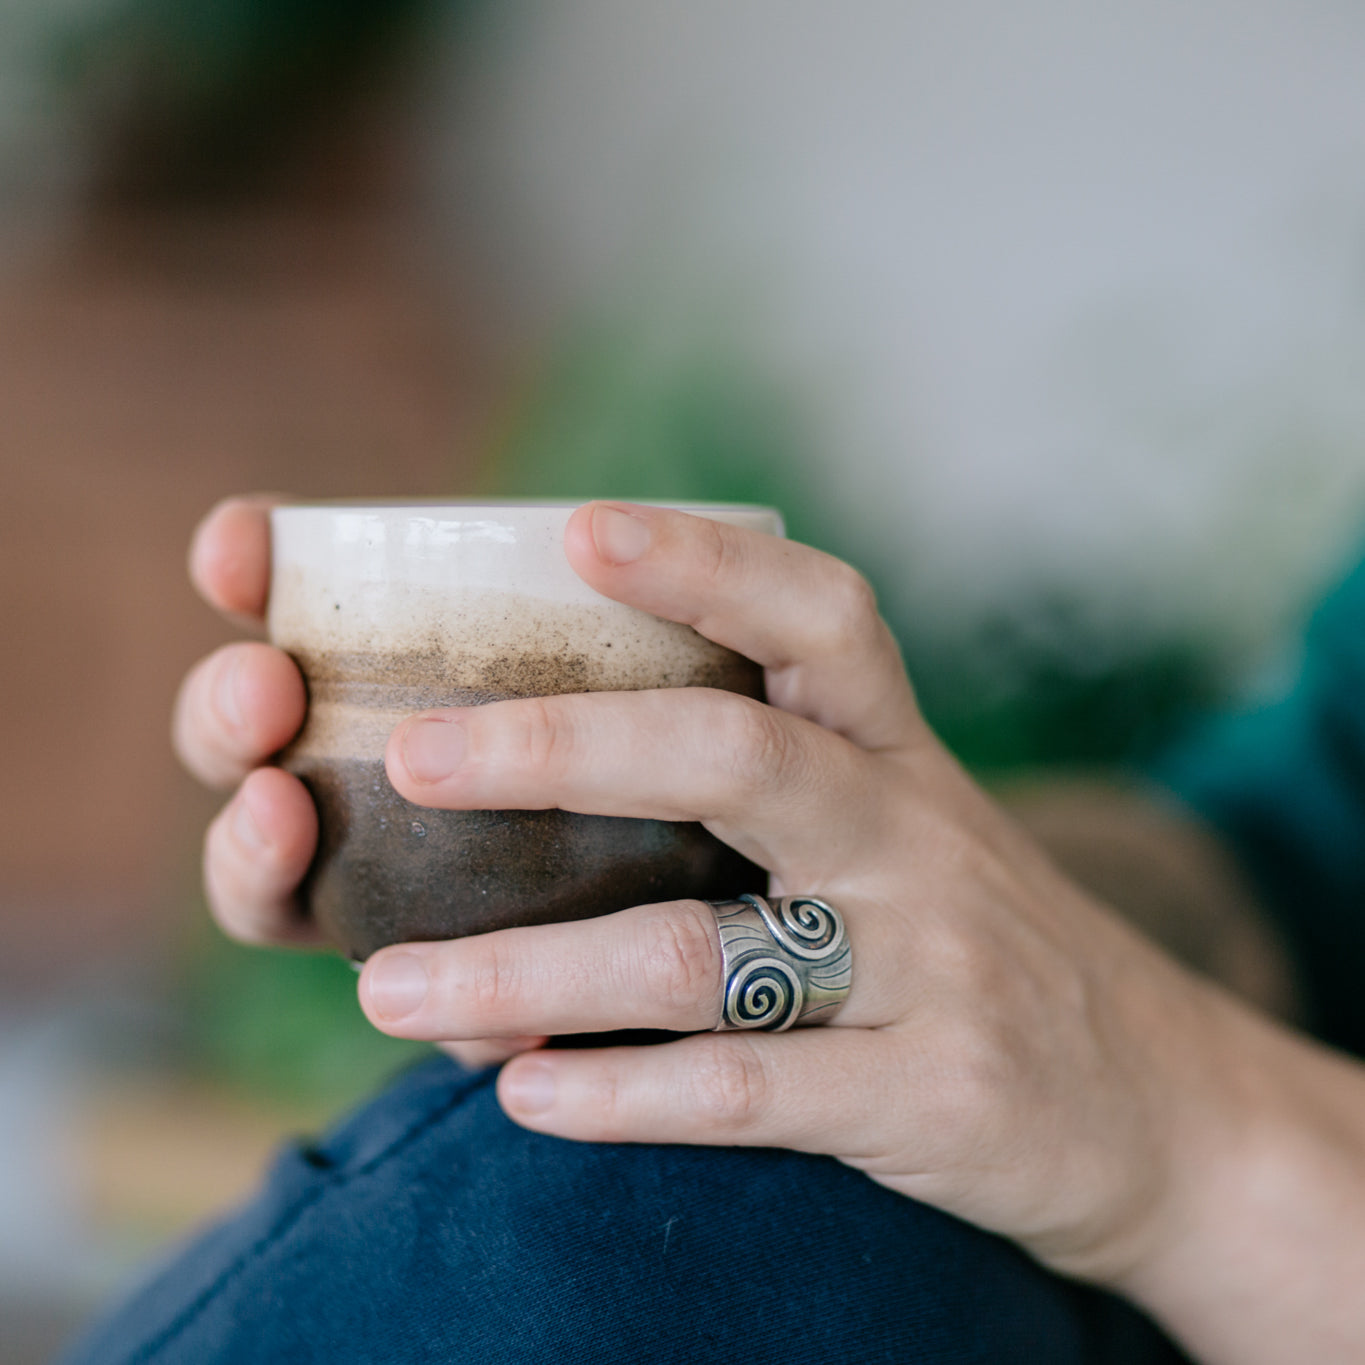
236, 709
1010, 1051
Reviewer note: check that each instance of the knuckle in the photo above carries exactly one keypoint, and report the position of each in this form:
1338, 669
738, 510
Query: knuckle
610, 1113
757, 743
546, 737
717, 552
943, 841
968, 965
974, 1074
730, 1083
852, 604
487, 980
681, 966
976, 970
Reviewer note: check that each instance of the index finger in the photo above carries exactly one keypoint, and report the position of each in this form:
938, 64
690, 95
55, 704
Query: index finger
810, 619
229, 557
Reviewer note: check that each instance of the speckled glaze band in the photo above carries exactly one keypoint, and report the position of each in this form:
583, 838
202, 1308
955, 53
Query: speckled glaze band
787, 963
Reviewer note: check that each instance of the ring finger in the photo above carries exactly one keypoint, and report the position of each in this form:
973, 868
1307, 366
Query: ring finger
654, 966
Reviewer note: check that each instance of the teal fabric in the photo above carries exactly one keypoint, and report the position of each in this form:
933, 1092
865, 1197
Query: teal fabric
1284, 785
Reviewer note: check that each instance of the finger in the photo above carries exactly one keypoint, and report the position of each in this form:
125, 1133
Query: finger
255, 856
761, 779
651, 967
489, 1051
808, 618
235, 709
230, 556
655, 966
806, 1090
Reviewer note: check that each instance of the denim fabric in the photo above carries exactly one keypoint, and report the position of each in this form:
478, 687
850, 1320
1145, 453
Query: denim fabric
428, 1228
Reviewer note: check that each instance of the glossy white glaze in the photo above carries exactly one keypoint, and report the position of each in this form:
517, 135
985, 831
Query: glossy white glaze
415, 598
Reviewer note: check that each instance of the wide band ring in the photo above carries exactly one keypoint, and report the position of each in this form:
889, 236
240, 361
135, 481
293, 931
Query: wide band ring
786, 963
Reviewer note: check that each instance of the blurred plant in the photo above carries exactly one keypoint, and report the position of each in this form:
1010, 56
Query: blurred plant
193, 97
283, 1026
1036, 685
613, 417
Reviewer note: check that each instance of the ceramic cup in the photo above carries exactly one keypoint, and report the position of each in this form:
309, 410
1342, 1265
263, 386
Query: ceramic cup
390, 609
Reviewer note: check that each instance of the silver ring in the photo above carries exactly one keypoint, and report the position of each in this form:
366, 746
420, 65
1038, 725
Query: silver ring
786, 963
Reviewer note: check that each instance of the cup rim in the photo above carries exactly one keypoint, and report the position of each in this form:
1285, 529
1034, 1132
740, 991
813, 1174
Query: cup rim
510, 504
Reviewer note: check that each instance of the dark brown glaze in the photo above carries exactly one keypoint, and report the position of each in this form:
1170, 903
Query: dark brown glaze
387, 871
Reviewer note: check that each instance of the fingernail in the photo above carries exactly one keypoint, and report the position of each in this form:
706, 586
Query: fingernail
225, 696
397, 985
433, 749
528, 1087
619, 537
246, 828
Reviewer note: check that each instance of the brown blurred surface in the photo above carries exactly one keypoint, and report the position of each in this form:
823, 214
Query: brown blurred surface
1167, 875
156, 1155
148, 366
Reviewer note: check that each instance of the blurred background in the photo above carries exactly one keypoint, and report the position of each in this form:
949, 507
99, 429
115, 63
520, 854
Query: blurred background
1051, 319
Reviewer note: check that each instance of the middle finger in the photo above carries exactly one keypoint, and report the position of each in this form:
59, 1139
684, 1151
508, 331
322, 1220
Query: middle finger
760, 778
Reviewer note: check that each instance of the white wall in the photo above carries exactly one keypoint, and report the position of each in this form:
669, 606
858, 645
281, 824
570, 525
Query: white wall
1076, 291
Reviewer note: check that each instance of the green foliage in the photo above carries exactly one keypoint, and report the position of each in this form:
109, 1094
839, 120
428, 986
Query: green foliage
617, 419
284, 1025
1066, 703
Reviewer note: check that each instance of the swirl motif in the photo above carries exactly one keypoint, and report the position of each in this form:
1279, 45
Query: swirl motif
803, 925
763, 993
788, 963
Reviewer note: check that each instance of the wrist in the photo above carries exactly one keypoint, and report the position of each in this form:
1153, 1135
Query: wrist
1255, 1247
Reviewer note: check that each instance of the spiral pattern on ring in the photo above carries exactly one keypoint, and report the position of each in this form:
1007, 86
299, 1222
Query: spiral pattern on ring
803, 925
809, 920
763, 993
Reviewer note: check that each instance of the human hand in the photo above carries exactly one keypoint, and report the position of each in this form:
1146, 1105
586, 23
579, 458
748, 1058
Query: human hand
1010, 1051
235, 709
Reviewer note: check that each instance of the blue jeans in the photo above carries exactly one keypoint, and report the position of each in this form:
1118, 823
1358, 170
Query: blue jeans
428, 1228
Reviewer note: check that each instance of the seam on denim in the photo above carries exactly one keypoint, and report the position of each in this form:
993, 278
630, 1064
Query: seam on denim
291, 1215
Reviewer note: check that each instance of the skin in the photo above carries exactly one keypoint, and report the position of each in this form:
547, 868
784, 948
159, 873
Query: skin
1012, 1051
